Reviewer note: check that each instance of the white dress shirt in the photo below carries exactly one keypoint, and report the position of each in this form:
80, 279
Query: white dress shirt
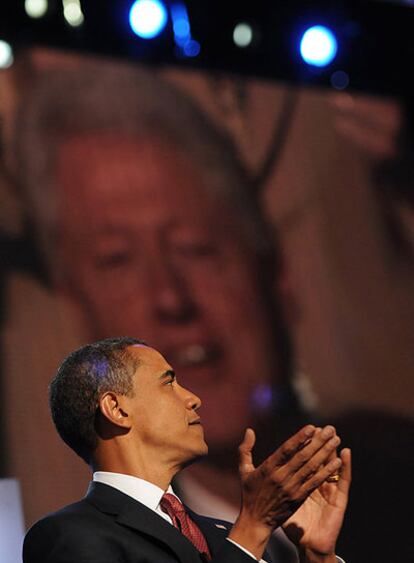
149, 495
143, 491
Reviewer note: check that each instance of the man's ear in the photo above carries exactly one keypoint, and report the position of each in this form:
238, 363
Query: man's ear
113, 408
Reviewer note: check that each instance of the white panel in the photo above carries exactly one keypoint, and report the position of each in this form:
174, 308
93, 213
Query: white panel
11, 522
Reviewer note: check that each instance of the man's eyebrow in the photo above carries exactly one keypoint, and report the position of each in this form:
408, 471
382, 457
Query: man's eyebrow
168, 373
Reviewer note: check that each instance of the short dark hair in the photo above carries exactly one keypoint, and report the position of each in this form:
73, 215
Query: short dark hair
80, 381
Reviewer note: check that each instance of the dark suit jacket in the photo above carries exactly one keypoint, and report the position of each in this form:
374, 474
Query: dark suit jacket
108, 526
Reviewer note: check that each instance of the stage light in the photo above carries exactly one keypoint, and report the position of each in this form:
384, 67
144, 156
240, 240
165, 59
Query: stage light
72, 12
182, 29
318, 46
186, 45
181, 23
36, 8
340, 80
6, 55
192, 48
243, 35
148, 18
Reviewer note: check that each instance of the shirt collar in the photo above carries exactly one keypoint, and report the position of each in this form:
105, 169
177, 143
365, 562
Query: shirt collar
143, 491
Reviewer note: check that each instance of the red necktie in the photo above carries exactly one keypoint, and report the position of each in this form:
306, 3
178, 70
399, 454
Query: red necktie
176, 511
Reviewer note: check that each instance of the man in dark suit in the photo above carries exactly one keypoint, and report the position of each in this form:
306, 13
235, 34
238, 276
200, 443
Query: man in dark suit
118, 405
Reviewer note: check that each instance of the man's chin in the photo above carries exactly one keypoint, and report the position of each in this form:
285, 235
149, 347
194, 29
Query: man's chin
201, 452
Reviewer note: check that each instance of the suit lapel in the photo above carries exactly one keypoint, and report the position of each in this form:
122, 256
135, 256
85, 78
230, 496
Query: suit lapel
131, 513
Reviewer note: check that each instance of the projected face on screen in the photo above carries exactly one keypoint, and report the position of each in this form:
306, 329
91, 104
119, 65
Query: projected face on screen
146, 251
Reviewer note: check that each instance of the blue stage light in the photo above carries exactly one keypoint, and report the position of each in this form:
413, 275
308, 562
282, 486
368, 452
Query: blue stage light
181, 23
192, 48
186, 45
148, 18
318, 46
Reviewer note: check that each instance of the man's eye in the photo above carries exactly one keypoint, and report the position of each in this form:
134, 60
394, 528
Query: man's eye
197, 249
113, 260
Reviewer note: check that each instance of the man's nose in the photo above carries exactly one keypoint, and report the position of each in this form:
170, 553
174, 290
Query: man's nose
171, 298
192, 401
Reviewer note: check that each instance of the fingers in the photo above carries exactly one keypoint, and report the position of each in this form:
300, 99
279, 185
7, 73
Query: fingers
346, 474
318, 478
318, 458
287, 450
301, 465
245, 452
301, 448
335, 477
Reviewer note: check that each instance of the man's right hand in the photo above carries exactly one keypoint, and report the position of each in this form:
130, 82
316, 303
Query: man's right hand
272, 492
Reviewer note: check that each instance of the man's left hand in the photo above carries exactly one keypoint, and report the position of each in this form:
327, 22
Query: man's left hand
315, 526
